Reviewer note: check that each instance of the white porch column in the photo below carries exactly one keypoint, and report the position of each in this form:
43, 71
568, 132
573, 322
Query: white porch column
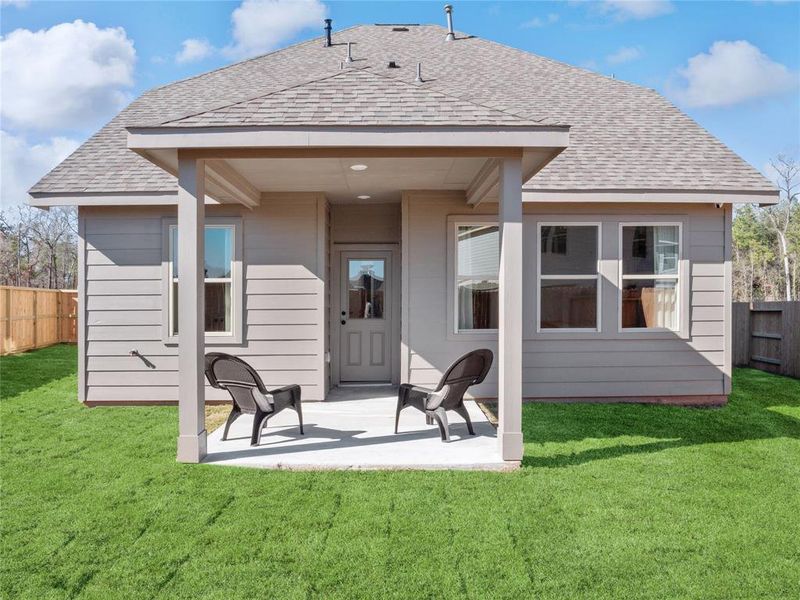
510, 334
191, 310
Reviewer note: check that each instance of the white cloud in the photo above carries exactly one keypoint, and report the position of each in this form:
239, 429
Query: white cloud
193, 50
538, 22
730, 73
17, 3
624, 10
23, 164
70, 76
262, 25
623, 55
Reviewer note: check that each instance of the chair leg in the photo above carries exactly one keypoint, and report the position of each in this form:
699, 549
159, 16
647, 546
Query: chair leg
259, 422
440, 416
428, 419
235, 414
299, 416
462, 410
397, 414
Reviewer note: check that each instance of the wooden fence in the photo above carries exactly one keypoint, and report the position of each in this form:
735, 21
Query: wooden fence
766, 336
34, 318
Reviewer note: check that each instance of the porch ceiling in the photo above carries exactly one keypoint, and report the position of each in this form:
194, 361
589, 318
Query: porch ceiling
383, 180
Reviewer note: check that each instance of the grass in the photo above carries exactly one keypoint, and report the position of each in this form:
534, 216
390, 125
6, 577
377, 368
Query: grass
612, 501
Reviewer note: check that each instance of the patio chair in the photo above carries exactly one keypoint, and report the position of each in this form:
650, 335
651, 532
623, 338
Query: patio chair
250, 396
468, 370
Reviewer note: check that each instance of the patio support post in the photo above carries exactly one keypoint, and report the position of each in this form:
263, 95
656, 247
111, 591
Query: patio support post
509, 399
191, 310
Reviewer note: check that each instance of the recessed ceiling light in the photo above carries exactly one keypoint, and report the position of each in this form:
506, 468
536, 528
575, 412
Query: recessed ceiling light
364, 197
358, 167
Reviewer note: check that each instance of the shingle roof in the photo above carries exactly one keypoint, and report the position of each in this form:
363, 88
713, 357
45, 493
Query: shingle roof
352, 97
622, 137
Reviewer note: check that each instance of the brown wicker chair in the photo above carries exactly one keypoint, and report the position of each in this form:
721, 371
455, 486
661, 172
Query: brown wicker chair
249, 395
468, 370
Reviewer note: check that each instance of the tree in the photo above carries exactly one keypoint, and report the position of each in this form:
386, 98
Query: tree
39, 248
780, 217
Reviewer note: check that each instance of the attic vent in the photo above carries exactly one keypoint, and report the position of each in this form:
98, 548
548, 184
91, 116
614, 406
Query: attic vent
399, 28
393, 65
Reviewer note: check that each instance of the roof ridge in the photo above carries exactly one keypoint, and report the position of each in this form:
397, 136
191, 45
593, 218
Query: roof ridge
367, 70
210, 108
247, 60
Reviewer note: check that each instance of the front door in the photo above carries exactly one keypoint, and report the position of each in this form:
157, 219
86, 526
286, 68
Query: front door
365, 316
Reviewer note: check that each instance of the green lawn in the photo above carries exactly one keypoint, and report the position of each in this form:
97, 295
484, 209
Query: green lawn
613, 501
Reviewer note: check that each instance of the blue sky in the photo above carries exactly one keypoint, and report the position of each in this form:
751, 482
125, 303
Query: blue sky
732, 66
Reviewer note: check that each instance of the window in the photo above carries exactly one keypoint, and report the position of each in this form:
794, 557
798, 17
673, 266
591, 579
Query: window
365, 289
477, 276
650, 265
569, 278
219, 281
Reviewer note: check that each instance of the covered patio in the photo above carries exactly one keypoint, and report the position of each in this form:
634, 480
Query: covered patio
354, 429
238, 164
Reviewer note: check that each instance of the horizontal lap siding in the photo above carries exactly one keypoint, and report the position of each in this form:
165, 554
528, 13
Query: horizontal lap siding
608, 364
282, 299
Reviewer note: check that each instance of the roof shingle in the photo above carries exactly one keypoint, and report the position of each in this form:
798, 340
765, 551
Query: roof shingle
622, 136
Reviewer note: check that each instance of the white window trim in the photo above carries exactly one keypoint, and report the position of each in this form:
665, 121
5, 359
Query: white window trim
597, 277
678, 278
453, 331
235, 336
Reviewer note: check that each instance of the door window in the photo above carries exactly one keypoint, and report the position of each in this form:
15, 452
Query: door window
365, 289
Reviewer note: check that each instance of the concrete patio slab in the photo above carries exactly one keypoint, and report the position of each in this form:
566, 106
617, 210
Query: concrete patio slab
354, 429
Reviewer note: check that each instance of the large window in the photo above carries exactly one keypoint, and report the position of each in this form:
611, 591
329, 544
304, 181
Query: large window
219, 281
650, 267
477, 280
569, 279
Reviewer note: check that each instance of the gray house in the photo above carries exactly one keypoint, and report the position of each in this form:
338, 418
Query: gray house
367, 208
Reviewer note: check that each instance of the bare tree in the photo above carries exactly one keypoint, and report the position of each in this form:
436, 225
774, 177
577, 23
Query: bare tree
779, 217
38, 248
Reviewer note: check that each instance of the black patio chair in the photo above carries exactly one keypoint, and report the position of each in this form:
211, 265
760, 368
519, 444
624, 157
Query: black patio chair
250, 396
468, 370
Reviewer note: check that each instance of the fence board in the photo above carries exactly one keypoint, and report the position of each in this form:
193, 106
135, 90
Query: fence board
34, 318
766, 336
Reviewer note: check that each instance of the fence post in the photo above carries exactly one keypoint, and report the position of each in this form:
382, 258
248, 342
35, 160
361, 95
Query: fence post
59, 333
7, 333
35, 315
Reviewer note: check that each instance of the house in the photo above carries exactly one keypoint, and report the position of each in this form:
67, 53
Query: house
367, 206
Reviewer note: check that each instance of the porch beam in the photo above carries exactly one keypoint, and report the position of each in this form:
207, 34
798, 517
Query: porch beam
191, 307
483, 182
232, 183
348, 152
509, 432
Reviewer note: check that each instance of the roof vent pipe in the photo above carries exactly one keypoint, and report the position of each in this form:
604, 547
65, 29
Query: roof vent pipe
328, 28
349, 52
419, 73
448, 9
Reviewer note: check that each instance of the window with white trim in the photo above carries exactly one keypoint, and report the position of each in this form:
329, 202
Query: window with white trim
219, 280
477, 276
569, 277
650, 276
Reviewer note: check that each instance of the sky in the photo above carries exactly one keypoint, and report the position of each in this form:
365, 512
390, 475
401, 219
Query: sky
69, 67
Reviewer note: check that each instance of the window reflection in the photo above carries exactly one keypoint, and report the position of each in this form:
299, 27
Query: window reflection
365, 294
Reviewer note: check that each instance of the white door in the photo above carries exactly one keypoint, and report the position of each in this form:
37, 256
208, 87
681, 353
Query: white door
366, 316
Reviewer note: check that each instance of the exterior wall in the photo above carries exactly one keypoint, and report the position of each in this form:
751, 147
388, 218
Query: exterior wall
284, 252
605, 364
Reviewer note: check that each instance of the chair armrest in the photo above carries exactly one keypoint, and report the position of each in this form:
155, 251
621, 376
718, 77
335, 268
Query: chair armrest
288, 395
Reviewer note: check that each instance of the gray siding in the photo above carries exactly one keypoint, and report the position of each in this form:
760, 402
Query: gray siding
284, 304
563, 365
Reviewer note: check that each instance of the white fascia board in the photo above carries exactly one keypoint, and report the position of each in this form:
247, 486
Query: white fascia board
41, 200
142, 139
663, 197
